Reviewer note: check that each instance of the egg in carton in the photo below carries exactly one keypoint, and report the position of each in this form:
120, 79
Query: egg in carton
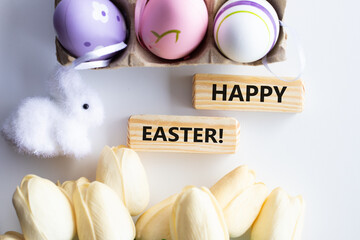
135, 55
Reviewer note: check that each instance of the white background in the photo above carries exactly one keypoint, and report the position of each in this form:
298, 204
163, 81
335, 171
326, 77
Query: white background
315, 153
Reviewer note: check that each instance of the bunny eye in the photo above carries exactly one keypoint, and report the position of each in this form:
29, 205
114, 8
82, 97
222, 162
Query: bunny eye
86, 106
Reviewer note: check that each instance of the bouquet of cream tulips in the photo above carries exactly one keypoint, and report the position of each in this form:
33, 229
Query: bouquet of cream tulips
102, 210
234, 205
84, 210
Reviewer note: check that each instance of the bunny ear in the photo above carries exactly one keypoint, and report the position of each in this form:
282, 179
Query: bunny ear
64, 82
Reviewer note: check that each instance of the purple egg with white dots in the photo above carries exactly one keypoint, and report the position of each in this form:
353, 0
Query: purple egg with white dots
86, 25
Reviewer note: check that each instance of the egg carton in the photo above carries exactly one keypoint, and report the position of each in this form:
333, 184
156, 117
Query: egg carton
206, 53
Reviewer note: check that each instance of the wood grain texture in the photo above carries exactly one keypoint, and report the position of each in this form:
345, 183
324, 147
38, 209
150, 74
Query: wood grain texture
162, 133
292, 99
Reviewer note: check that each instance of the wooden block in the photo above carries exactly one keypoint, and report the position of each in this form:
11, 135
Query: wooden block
160, 133
247, 93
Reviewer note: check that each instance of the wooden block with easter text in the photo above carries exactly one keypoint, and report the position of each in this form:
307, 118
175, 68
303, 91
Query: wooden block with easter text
247, 93
192, 134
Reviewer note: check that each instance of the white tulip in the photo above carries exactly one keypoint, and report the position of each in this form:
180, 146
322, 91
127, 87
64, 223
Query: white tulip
44, 211
196, 215
121, 169
240, 198
12, 236
100, 213
155, 222
281, 217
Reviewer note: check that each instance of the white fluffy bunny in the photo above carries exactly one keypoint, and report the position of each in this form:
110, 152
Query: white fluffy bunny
56, 125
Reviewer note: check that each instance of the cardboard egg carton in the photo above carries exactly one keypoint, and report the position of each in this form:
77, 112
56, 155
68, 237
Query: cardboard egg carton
207, 52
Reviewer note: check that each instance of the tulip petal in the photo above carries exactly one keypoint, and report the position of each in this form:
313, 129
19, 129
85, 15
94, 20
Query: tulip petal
109, 214
232, 184
70, 186
242, 211
43, 210
279, 217
155, 222
83, 220
12, 236
51, 209
197, 215
240, 198
135, 181
108, 171
101, 215
121, 169
26, 219
300, 221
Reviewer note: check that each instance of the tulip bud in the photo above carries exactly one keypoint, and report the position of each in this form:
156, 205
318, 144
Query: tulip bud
100, 213
196, 215
240, 198
44, 211
12, 236
281, 217
69, 186
155, 222
121, 169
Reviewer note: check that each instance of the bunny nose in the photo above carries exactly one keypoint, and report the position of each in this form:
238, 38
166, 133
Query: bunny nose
86, 106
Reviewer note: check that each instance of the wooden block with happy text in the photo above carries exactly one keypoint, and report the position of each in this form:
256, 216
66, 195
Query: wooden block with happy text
247, 93
161, 133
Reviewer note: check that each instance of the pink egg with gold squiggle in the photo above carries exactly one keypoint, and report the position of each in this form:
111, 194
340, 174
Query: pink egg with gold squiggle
172, 29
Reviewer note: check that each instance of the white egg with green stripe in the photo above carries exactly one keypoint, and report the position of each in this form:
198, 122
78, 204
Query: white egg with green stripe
246, 30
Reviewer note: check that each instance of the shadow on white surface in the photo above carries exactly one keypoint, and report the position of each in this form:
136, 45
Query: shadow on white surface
180, 89
246, 236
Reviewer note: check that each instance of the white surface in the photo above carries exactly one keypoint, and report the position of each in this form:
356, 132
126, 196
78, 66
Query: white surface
315, 153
